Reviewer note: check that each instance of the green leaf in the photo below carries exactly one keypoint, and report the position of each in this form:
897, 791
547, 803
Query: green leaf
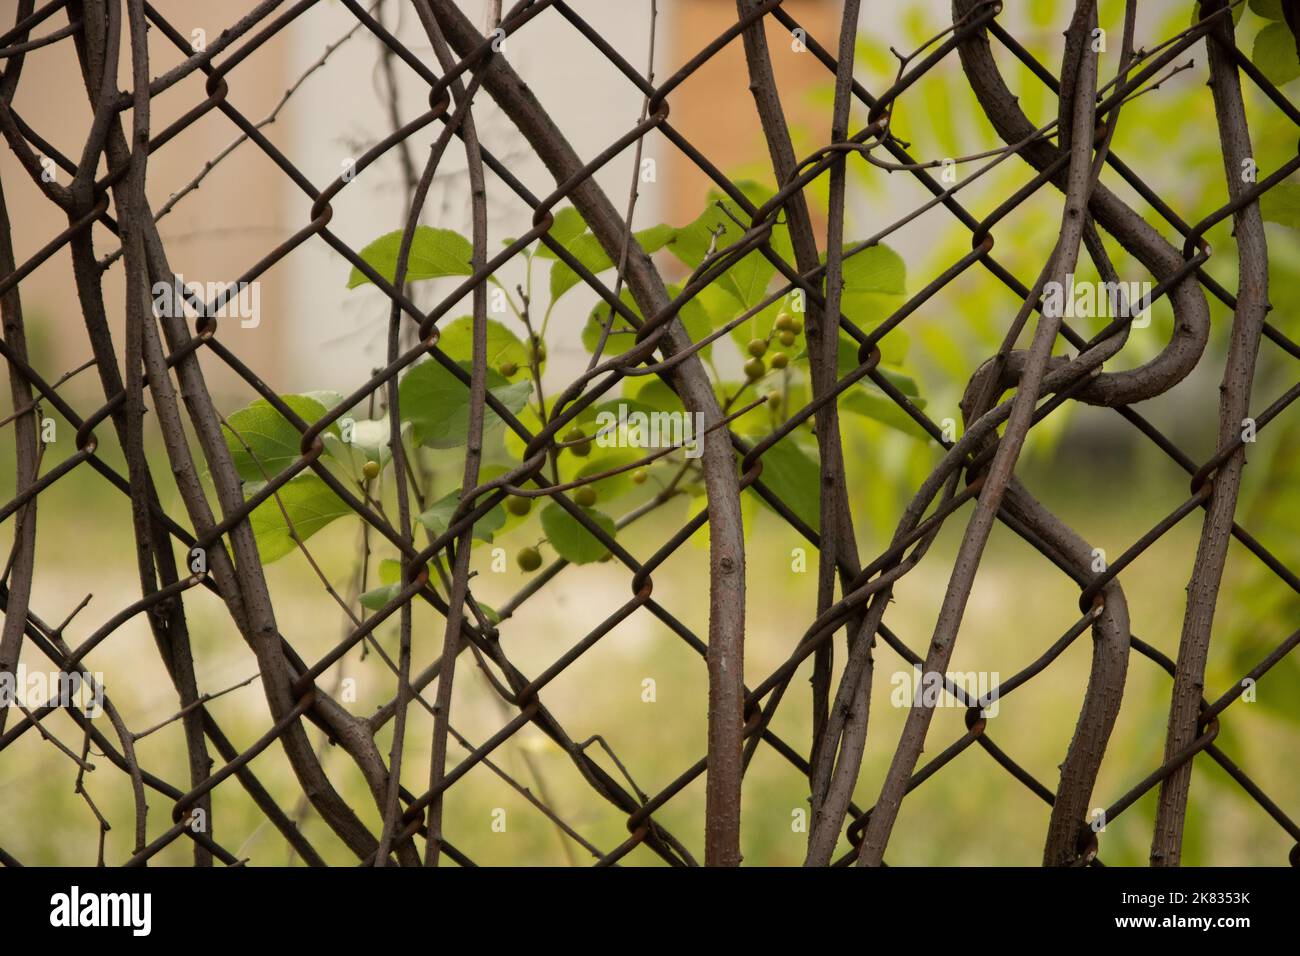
390, 580
791, 472
653, 392
1237, 11
872, 403
437, 404
621, 338
390, 571
586, 248
438, 517
1281, 204
568, 226
1269, 9
515, 446
503, 346
876, 268
748, 279
273, 441
310, 505
607, 489
893, 347
325, 397
589, 415
434, 253
377, 599
695, 318
869, 401
1275, 54
570, 539
721, 305
875, 281
904, 383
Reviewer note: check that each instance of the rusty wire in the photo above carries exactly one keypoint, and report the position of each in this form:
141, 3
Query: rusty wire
1070, 154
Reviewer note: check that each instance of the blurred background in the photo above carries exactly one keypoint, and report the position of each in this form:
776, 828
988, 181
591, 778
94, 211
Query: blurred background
1092, 468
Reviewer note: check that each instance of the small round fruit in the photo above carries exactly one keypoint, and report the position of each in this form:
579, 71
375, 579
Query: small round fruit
585, 496
785, 322
780, 360
754, 369
757, 348
785, 338
508, 368
797, 327
529, 559
582, 446
539, 350
371, 470
519, 506
639, 476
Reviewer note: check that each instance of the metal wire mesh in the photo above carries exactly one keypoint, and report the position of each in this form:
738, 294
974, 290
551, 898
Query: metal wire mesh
740, 715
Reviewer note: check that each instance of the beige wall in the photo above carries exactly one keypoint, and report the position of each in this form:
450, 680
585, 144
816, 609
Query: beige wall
213, 235
714, 108
314, 333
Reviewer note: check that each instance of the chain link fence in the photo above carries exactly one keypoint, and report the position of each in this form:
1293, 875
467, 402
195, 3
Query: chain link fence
206, 543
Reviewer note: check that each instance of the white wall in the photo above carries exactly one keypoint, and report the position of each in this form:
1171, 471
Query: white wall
344, 330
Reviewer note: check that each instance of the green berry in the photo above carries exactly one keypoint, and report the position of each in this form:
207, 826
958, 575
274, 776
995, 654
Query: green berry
639, 476
582, 446
780, 360
754, 369
371, 470
757, 348
519, 506
797, 327
508, 369
785, 322
529, 559
585, 496
785, 338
